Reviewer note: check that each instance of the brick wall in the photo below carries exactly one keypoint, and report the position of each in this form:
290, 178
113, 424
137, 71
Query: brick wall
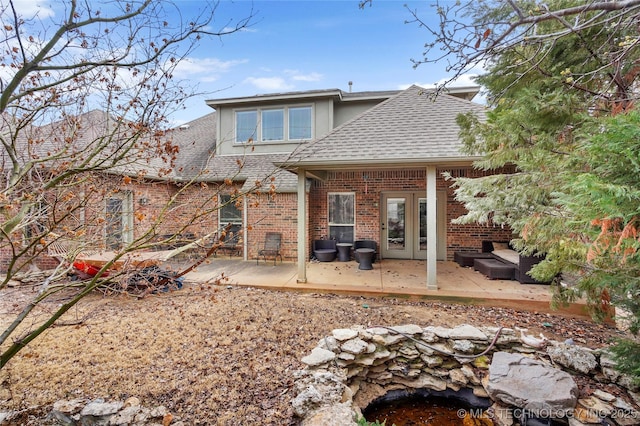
368, 186
273, 213
194, 210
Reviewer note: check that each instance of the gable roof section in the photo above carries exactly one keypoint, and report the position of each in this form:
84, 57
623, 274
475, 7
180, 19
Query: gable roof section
409, 128
196, 160
197, 143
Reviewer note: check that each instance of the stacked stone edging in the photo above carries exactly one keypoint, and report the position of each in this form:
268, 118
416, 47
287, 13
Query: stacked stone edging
98, 412
352, 367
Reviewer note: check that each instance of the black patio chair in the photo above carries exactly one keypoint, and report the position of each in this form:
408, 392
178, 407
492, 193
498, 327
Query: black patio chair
232, 243
272, 246
325, 250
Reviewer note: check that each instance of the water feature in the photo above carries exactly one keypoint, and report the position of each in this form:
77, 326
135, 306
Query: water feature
429, 407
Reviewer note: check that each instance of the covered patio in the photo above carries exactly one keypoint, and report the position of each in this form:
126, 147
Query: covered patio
388, 278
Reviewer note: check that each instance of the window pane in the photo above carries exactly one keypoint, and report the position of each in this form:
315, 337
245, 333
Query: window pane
229, 213
342, 234
114, 227
396, 223
422, 203
341, 209
273, 125
300, 123
246, 124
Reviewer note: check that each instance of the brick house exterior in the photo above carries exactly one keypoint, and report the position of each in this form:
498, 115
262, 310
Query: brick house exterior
372, 149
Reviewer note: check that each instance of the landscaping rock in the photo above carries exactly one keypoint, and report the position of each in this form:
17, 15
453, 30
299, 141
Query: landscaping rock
343, 334
335, 415
100, 408
467, 332
518, 376
318, 356
574, 357
355, 346
529, 384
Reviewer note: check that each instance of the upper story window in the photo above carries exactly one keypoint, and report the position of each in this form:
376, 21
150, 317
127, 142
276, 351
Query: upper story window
246, 125
273, 124
300, 123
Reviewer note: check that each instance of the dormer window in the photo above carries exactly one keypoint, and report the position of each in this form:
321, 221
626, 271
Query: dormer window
274, 124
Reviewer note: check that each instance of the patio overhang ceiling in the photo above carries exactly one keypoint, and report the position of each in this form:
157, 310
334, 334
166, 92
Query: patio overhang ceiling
319, 169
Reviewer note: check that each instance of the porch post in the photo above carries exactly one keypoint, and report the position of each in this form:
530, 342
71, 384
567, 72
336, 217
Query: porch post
302, 226
245, 220
432, 239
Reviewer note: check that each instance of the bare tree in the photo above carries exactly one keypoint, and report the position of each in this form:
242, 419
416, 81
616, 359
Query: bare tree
83, 109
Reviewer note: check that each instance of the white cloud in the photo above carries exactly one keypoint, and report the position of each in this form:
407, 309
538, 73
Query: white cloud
276, 84
296, 75
29, 9
205, 68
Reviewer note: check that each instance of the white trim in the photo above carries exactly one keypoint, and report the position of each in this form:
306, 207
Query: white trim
126, 216
302, 227
329, 224
432, 229
285, 130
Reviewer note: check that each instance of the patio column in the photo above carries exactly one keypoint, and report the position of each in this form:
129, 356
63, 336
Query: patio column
432, 238
302, 226
245, 220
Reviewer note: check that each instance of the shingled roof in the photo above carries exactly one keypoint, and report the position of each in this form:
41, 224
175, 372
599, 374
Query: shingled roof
411, 127
196, 160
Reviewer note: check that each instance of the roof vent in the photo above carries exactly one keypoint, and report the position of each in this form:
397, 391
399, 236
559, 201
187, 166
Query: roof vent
184, 127
350, 86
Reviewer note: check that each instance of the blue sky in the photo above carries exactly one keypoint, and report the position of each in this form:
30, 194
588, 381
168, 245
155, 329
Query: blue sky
307, 45
293, 45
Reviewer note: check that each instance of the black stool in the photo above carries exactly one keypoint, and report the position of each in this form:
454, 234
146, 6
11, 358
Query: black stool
344, 251
366, 257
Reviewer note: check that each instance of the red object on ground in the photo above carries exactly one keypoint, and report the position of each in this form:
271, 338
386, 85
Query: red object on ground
88, 269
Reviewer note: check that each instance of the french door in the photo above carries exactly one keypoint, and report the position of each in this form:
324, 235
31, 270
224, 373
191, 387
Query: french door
404, 225
118, 220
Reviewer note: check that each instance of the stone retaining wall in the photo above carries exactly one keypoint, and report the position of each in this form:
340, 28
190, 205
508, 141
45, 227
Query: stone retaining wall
98, 412
352, 367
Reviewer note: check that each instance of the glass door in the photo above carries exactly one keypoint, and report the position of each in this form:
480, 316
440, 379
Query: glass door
118, 220
404, 225
396, 230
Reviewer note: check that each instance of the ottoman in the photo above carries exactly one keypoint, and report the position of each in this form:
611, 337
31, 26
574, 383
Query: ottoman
494, 269
466, 258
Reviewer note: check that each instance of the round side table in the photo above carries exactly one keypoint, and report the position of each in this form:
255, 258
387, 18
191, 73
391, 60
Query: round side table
344, 251
366, 258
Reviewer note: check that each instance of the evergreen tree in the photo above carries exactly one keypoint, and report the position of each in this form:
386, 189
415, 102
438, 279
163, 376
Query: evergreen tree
563, 138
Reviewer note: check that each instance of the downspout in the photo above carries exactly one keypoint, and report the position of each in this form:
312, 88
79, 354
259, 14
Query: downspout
302, 226
432, 237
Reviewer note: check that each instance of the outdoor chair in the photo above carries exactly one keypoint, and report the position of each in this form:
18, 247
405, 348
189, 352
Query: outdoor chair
232, 243
369, 244
325, 250
272, 245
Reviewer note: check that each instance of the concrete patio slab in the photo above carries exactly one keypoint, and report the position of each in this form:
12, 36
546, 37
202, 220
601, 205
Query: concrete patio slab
397, 278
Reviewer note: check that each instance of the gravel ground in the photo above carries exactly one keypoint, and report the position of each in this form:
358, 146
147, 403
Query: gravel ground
219, 355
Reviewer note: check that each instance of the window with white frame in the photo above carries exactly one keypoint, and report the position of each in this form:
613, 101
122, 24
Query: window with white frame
230, 216
118, 220
300, 123
274, 124
342, 216
246, 126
